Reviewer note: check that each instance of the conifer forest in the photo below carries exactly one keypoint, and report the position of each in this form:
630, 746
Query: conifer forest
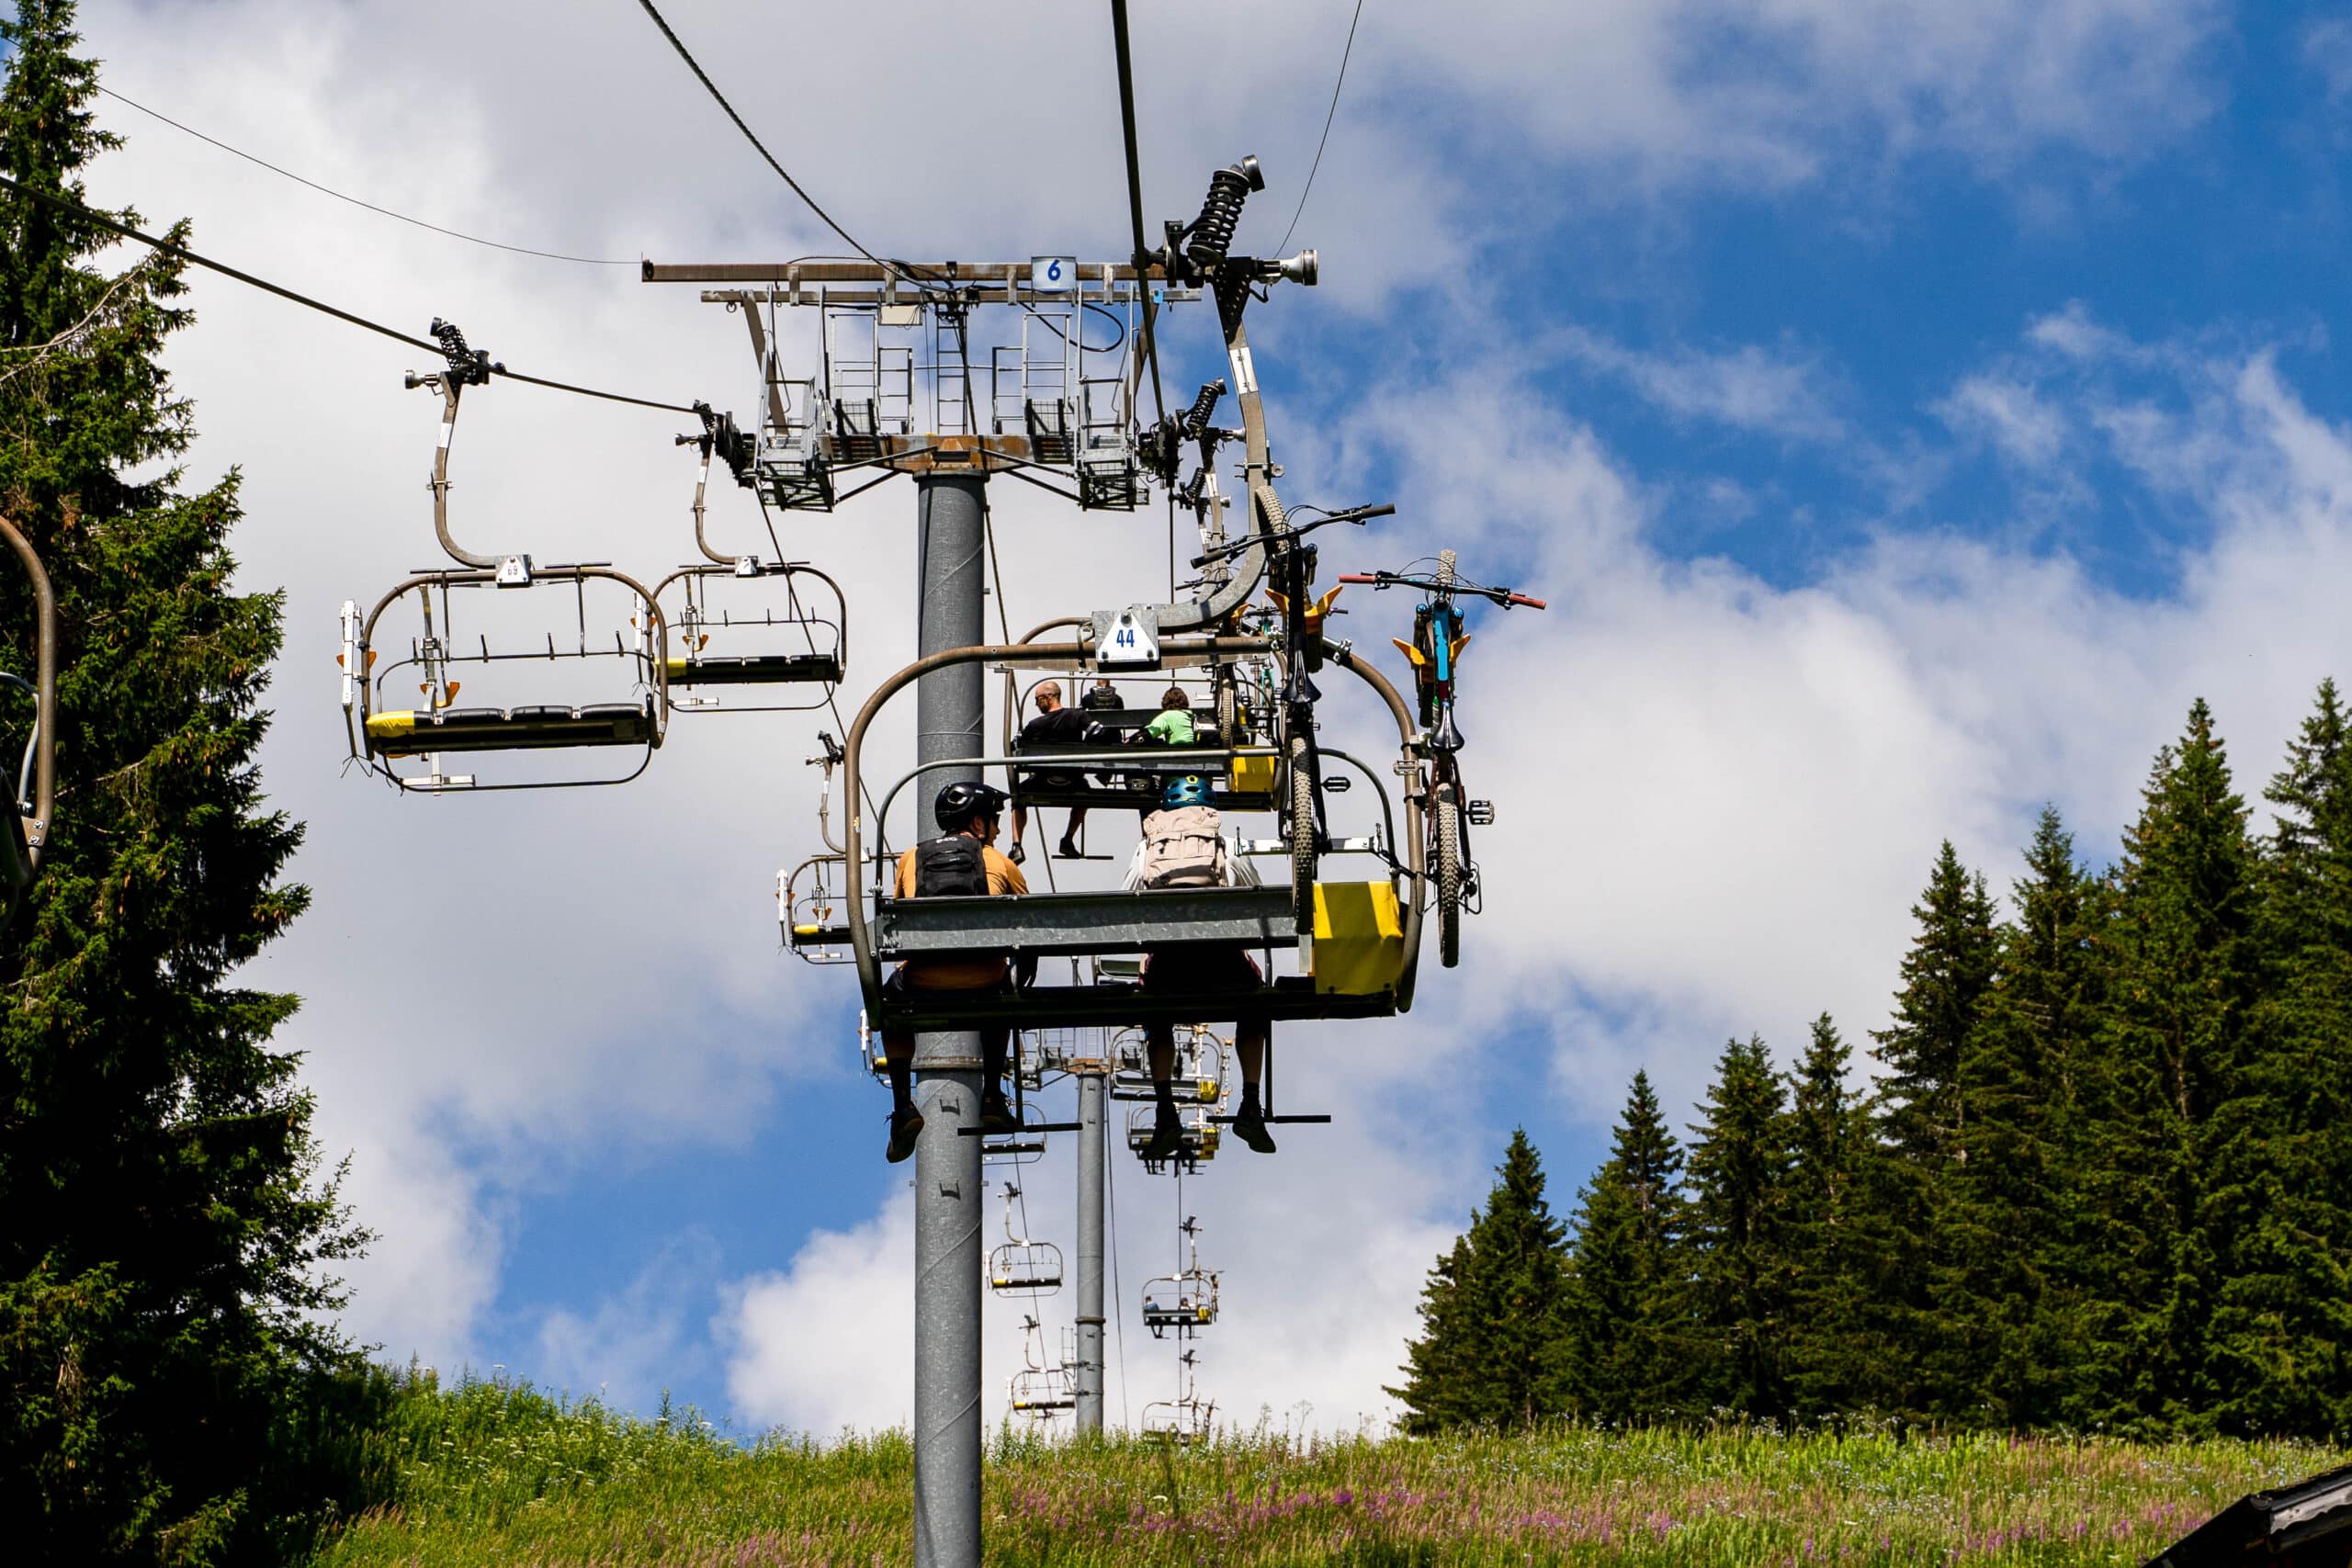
2096, 1179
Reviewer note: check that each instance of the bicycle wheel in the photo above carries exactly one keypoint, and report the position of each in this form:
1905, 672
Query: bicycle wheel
1302, 836
1448, 882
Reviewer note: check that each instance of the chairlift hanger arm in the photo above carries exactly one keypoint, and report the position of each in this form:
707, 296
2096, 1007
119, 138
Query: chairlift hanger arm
36, 830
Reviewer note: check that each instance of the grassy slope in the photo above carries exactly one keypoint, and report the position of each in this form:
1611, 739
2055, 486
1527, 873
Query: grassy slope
491, 1474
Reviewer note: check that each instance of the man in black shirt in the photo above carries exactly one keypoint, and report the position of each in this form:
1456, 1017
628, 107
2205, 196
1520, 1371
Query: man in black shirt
1054, 722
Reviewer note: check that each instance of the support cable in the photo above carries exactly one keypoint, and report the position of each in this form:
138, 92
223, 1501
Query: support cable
1308, 189
1134, 202
912, 274
339, 196
173, 248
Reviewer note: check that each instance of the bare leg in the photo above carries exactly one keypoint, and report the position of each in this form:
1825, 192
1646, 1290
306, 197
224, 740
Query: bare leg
1250, 1044
1160, 1047
1077, 820
898, 1054
1020, 826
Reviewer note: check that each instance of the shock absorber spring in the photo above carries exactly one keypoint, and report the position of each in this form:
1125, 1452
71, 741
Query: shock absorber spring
1196, 418
1212, 232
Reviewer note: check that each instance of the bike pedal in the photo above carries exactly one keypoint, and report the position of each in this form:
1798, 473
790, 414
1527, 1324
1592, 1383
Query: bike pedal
1481, 813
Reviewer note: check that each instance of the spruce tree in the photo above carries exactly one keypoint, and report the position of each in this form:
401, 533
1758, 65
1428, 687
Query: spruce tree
2175, 1180
1490, 1312
1840, 1359
2018, 1265
2281, 1321
1628, 1354
1920, 1113
1738, 1168
158, 1289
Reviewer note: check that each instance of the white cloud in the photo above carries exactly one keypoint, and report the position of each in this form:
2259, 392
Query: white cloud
632, 1348
827, 1343
2008, 414
1747, 388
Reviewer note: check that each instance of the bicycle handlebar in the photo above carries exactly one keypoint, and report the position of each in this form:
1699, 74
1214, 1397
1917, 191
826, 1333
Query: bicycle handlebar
1502, 596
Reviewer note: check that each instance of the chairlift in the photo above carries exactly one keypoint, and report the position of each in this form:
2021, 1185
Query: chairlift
1200, 1137
1197, 1077
1184, 1301
1243, 776
1090, 924
1018, 1264
1182, 1422
626, 719
734, 641
26, 838
1038, 1391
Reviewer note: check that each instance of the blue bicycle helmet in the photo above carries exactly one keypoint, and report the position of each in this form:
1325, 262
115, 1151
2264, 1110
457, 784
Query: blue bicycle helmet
1185, 789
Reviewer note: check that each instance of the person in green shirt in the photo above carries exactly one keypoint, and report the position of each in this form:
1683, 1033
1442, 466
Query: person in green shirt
1173, 726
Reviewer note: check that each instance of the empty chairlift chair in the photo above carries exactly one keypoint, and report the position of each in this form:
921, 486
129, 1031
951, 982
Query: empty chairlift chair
743, 637
608, 624
1019, 1266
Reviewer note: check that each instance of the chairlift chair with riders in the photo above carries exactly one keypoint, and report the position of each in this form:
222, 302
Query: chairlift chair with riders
1243, 777
733, 644
1186, 1300
24, 839
624, 721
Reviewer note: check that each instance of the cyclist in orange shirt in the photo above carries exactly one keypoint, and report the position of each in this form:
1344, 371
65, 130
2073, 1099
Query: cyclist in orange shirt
963, 861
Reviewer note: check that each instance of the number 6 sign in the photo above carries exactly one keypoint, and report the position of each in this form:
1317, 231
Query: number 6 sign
1053, 275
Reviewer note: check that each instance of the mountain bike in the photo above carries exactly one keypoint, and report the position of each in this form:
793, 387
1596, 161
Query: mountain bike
1435, 654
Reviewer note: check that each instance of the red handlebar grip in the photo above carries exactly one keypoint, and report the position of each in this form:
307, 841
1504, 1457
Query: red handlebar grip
1531, 603
1358, 577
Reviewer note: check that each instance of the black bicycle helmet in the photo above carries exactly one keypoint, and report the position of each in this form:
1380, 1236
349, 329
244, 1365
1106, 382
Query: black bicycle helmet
959, 802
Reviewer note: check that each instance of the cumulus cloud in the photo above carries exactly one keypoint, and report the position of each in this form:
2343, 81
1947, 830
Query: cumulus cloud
1748, 387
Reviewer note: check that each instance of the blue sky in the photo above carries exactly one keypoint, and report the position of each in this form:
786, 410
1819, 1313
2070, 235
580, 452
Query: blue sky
1907, 409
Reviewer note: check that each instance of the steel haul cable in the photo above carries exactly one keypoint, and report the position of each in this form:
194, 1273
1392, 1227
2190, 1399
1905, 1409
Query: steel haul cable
173, 248
1134, 199
329, 190
1308, 189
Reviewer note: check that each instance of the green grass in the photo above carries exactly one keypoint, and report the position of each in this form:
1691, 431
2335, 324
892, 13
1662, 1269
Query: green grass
491, 1474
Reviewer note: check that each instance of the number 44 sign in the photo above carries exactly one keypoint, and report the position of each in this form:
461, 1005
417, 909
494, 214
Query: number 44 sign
1053, 275
1127, 639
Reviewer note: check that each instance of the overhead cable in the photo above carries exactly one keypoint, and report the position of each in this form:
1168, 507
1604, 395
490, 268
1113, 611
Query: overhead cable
1134, 199
1333, 113
339, 196
912, 274
169, 248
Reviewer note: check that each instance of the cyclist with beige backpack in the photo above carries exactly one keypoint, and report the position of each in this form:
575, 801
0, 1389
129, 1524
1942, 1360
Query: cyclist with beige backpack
1184, 845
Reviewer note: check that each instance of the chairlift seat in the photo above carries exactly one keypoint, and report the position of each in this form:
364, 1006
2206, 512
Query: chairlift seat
537, 727
1060, 924
756, 669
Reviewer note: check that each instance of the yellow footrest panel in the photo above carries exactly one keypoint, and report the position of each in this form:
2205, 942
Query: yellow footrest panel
1359, 938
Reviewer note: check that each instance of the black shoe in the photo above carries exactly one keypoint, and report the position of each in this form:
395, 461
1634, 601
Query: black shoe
1067, 849
1166, 1134
1016, 854
905, 1126
996, 1114
1250, 1126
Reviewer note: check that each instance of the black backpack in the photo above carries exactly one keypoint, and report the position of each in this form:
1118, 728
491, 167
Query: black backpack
950, 867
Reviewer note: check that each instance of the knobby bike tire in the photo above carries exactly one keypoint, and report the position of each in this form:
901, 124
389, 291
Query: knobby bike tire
1449, 882
1302, 836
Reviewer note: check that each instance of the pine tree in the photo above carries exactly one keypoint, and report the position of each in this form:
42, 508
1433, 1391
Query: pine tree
1920, 1112
1490, 1312
2017, 1265
2282, 1323
1840, 1359
158, 1290
1738, 1166
1627, 1356
2174, 1181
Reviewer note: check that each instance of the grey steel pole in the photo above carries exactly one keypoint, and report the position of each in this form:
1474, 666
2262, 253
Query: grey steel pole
949, 541
1090, 1249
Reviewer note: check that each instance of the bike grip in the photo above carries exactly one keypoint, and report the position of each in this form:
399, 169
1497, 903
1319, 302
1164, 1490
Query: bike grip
1531, 603
1359, 577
